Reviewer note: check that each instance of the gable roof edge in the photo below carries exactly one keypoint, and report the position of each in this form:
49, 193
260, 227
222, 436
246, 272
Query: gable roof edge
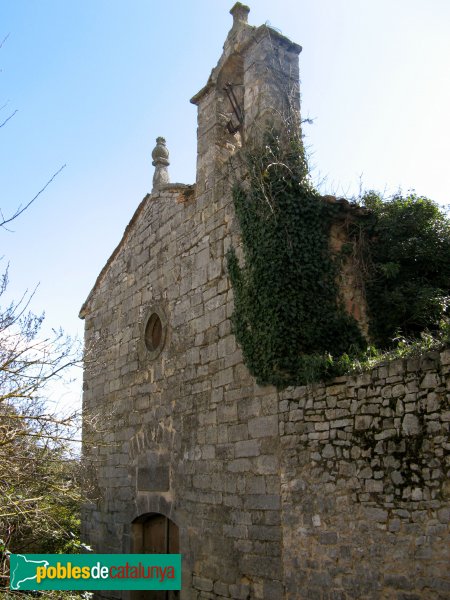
85, 308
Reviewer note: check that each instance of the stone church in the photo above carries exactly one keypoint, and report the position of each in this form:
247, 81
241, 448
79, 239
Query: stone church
334, 491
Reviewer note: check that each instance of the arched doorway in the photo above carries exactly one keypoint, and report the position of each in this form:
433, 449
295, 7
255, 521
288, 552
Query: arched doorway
155, 534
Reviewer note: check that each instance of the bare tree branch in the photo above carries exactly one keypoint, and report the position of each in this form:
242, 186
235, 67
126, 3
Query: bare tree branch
8, 118
4, 40
21, 209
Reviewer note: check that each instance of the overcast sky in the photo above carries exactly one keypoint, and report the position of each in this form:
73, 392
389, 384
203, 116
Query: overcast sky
94, 82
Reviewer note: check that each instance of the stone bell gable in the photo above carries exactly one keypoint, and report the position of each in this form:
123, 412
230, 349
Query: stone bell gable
326, 491
254, 85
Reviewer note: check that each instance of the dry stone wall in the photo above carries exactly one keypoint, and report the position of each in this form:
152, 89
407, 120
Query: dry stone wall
365, 487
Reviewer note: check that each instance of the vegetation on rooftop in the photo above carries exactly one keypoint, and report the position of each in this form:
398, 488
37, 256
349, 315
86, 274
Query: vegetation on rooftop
289, 318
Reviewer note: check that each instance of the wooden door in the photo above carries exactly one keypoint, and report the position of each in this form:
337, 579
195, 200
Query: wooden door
156, 534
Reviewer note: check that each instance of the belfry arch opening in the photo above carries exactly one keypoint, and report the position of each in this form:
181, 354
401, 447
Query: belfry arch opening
154, 533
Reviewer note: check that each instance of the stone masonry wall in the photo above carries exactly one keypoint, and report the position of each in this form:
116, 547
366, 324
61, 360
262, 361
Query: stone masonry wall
331, 491
365, 486
188, 434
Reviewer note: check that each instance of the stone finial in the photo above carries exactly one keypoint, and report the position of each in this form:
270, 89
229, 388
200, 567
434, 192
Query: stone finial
160, 157
240, 13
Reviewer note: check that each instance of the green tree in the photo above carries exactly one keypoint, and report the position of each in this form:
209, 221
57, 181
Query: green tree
408, 286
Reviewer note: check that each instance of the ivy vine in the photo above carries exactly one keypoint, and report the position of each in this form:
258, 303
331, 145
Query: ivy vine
288, 318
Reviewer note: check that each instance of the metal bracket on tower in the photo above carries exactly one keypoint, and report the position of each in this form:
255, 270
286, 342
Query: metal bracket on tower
228, 89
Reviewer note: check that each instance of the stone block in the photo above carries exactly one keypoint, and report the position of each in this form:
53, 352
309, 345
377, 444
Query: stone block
267, 464
321, 426
263, 426
340, 423
264, 532
255, 485
445, 357
153, 479
411, 424
227, 413
262, 502
247, 448
397, 478
396, 367
396, 581
268, 567
376, 514
328, 451
374, 486
430, 381
202, 583
237, 432
222, 378
239, 465
235, 531
248, 407
328, 538
273, 589
208, 452
221, 589
239, 591
398, 390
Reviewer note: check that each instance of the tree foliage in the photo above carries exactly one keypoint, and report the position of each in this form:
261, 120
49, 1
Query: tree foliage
408, 249
39, 485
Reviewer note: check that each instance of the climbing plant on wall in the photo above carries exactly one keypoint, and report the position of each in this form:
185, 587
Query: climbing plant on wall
288, 319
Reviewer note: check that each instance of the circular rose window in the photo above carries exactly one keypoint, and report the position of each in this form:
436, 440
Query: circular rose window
153, 334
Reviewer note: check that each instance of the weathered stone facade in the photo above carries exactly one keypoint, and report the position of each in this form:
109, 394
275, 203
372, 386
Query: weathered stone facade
330, 492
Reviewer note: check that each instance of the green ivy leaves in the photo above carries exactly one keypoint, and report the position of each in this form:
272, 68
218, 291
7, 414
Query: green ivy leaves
287, 320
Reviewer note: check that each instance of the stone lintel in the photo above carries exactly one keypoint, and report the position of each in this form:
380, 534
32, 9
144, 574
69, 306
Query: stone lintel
175, 187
